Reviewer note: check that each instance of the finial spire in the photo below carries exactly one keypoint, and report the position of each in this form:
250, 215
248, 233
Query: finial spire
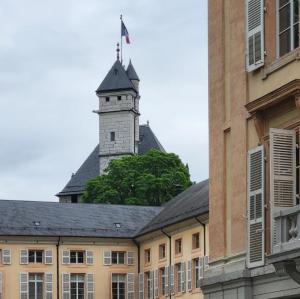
118, 50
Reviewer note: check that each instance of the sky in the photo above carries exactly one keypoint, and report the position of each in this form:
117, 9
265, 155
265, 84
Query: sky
53, 56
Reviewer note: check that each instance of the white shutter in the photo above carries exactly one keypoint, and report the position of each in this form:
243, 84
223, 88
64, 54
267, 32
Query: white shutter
206, 262
167, 284
255, 209
6, 256
23, 285
183, 277
49, 285
201, 267
130, 258
130, 285
151, 284
107, 258
89, 257
141, 285
66, 257
1, 285
156, 284
23, 256
189, 276
48, 257
172, 288
254, 34
90, 285
66, 286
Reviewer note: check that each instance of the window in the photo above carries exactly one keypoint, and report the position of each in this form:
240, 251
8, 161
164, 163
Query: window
77, 286
118, 257
288, 25
74, 198
112, 136
119, 98
178, 246
196, 240
162, 251
76, 257
148, 285
147, 256
35, 286
178, 277
163, 277
196, 271
35, 256
118, 286
107, 99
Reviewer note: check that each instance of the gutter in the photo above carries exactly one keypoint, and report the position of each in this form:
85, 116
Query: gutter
204, 234
170, 260
57, 268
137, 244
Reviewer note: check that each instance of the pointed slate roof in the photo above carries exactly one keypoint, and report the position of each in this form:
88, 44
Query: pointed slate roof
131, 73
116, 79
91, 168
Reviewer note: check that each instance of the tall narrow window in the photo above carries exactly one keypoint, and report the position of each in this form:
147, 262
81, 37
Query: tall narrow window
162, 251
118, 286
178, 246
178, 275
147, 256
288, 26
35, 286
112, 136
196, 240
77, 286
197, 272
162, 284
107, 99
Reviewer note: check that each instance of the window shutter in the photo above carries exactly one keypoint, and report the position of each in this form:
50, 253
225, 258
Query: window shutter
156, 284
1, 285
48, 257
90, 285
255, 209
141, 285
172, 288
130, 258
254, 34
23, 285
189, 276
23, 256
201, 267
151, 284
130, 285
107, 258
206, 262
49, 285
89, 257
66, 257
6, 256
66, 286
167, 284
183, 277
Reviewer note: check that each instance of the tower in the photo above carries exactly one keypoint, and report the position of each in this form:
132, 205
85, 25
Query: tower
118, 114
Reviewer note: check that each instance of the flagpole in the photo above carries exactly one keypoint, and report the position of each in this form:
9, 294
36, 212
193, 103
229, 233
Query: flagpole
121, 42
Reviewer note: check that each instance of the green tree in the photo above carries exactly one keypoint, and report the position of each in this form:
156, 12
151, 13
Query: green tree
150, 179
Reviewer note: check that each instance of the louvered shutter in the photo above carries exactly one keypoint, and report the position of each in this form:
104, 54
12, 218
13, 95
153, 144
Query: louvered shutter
130, 258
48, 257
189, 276
107, 258
167, 281
23, 285
66, 286
206, 262
66, 257
23, 256
89, 257
90, 285
49, 285
254, 34
201, 267
6, 256
172, 288
141, 285
130, 285
282, 172
151, 284
1, 285
255, 209
156, 284
183, 277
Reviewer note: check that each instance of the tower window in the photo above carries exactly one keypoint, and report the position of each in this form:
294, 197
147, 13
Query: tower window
107, 99
112, 136
119, 98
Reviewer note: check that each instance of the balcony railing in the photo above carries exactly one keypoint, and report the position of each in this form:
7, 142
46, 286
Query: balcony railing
287, 229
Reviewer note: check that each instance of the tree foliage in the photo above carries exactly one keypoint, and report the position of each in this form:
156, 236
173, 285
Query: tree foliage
150, 179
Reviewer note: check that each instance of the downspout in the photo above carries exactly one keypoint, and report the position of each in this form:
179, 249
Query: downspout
137, 244
57, 268
204, 234
170, 259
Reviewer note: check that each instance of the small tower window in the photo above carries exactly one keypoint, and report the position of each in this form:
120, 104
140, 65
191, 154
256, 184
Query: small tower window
107, 99
112, 136
119, 98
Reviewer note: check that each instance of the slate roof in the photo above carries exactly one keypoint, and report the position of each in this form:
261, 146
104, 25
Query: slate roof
116, 79
131, 73
190, 203
90, 167
71, 220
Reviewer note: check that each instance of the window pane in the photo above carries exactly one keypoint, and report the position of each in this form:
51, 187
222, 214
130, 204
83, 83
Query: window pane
284, 18
80, 257
114, 257
283, 2
39, 256
284, 42
39, 290
121, 257
296, 11
296, 36
31, 290
73, 257
31, 256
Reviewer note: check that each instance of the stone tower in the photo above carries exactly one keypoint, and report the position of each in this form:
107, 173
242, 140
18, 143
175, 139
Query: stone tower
118, 114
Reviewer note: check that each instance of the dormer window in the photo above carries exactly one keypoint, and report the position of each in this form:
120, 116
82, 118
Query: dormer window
107, 99
112, 136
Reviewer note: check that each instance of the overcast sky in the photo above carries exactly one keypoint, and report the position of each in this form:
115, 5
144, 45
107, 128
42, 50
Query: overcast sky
54, 54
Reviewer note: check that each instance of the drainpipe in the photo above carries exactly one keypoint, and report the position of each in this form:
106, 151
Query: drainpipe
170, 259
204, 234
137, 244
57, 268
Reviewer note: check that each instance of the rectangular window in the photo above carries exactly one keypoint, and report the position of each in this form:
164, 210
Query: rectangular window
118, 257
119, 98
77, 286
162, 251
107, 99
178, 277
76, 257
35, 256
288, 25
35, 282
112, 136
147, 285
197, 271
162, 284
178, 246
118, 286
196, 240
147, 256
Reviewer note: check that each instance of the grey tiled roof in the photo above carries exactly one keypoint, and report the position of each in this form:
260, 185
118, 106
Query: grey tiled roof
90, 167
131, 73
81, 220
190, 203
116, 79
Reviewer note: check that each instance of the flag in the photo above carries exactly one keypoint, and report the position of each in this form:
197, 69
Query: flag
124, 32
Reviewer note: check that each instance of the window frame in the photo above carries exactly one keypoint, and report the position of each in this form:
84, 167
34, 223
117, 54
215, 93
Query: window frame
177, 247
118, 282
147, 256
112, 136
76, 257
35, 251
162, 247
118, 257
36, 281
77, 278
194, 242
